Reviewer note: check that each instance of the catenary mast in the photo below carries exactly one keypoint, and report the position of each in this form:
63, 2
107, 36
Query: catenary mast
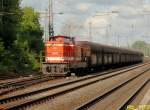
51, 24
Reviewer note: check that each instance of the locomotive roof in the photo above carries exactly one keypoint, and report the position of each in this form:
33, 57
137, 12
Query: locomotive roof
64, 37
106, 48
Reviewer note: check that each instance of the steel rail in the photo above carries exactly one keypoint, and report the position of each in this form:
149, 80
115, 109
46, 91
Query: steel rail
11, 89
67, 82
93, 101
132, 96
15, 83
11, 83
46, 97
24, 83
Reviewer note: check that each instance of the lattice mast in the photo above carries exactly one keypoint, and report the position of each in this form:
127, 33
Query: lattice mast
51, 21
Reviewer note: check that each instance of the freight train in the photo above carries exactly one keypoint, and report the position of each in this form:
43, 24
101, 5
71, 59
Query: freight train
64, 55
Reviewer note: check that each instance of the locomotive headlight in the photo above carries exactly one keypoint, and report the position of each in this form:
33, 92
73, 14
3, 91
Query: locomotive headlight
72, 45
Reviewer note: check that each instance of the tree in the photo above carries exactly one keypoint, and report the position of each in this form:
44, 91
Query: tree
30, 30
10, 16
142, 46
1, 50
29, 41
20, 38
9, 22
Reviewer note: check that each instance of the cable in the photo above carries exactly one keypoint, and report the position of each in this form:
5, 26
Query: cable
10, 13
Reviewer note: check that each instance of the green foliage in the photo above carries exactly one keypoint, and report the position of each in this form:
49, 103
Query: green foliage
143, 47
1, 48
20, 38
30, 37
30, 30
27, 61
1, 55
10, 19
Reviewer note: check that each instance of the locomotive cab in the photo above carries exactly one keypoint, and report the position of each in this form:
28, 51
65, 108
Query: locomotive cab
60, 51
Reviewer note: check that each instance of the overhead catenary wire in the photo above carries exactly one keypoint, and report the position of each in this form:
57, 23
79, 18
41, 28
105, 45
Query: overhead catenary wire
3, 12
10, 13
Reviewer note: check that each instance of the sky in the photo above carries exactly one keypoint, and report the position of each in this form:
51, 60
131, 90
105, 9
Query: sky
112, 22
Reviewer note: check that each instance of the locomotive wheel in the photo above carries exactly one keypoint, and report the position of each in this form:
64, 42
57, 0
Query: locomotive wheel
46, 69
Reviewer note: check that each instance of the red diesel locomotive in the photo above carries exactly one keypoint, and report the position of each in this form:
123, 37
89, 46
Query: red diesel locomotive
64, 56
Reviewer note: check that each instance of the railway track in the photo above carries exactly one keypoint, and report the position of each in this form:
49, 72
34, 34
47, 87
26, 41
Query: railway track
10, 76
20, 83
141, 99
28, 99
12, 85
119, 97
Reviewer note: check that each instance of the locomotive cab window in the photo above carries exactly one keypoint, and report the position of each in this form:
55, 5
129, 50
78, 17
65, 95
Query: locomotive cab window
60, 39
52, 39
69, 40
66, 40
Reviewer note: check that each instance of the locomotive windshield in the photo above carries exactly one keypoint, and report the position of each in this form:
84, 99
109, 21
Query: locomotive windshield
51, 38
64, 39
